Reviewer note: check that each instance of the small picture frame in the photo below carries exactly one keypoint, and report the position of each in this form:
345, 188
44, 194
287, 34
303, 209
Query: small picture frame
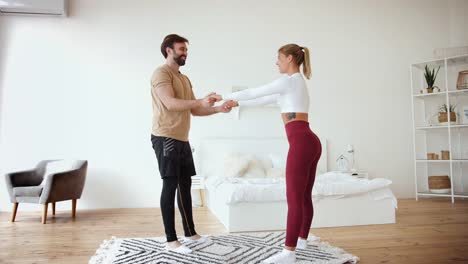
342, 163
237, 88
464, 114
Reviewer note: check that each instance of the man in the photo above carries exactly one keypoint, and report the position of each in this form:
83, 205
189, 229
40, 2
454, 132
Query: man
173, 104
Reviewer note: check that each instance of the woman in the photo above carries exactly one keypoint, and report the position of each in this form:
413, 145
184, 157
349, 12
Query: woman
290, 92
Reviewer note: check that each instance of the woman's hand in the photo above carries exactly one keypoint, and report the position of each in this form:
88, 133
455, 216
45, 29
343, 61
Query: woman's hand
228, 105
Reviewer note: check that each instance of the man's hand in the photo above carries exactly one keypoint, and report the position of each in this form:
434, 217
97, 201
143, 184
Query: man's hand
210, 100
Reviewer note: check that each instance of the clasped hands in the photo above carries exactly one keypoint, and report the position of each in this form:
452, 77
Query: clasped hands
212, 98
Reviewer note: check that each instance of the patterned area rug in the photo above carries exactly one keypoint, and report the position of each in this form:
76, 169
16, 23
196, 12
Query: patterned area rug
228, 248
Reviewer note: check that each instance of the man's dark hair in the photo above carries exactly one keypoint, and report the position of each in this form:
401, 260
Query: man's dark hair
169, 41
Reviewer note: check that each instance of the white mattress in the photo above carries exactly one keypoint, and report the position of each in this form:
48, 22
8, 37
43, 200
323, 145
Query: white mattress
329, 185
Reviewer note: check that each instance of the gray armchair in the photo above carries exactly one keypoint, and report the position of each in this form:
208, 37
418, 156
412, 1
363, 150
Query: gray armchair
25, 187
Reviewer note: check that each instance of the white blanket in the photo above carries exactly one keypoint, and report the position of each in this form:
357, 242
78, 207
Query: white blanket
335, 183
330, 184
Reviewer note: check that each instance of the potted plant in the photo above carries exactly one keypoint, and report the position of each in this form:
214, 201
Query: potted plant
444, 112
430, 76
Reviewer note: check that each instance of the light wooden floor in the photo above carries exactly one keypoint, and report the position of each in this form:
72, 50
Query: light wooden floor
427, 231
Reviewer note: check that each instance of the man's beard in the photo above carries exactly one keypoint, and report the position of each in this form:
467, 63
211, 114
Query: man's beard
179, 60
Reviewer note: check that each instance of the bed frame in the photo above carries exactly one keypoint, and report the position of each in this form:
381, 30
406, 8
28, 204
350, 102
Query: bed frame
258, 216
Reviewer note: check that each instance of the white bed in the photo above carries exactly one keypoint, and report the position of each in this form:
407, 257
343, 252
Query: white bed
242, 205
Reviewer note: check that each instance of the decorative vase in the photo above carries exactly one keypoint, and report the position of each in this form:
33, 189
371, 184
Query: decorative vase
430, 156
445, 154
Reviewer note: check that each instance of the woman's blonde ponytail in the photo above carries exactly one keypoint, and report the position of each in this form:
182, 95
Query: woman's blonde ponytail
306, 69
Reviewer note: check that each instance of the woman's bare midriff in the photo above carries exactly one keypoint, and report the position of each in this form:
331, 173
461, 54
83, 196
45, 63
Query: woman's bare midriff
290, 117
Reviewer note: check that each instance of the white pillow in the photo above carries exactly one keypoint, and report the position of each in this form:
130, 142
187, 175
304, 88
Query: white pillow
236, 165
276, 173
256, 169
58, 166
278, 161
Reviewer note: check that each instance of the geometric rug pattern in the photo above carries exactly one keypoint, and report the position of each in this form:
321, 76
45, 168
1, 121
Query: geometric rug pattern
226, 248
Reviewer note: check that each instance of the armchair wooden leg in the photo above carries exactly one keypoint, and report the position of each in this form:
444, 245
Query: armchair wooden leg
15, 209
44, 213
202, 197
53, 208
74, 208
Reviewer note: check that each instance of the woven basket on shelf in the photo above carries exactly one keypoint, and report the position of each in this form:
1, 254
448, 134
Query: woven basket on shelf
439, 184
462, 81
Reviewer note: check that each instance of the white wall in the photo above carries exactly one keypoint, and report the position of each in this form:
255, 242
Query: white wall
3, 49
79, 87
458, 17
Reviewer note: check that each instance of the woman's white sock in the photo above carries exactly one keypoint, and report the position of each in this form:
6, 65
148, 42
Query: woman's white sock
285, 256
301, 243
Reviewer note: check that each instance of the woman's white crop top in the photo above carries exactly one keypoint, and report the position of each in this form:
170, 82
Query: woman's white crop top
290, 92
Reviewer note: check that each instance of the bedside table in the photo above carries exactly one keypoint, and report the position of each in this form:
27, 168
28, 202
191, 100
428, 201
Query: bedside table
357, 174
198, 183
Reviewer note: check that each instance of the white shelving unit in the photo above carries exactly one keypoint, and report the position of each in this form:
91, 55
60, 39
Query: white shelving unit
431, 136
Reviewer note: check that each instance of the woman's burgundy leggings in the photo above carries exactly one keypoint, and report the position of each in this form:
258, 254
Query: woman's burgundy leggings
304, 153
